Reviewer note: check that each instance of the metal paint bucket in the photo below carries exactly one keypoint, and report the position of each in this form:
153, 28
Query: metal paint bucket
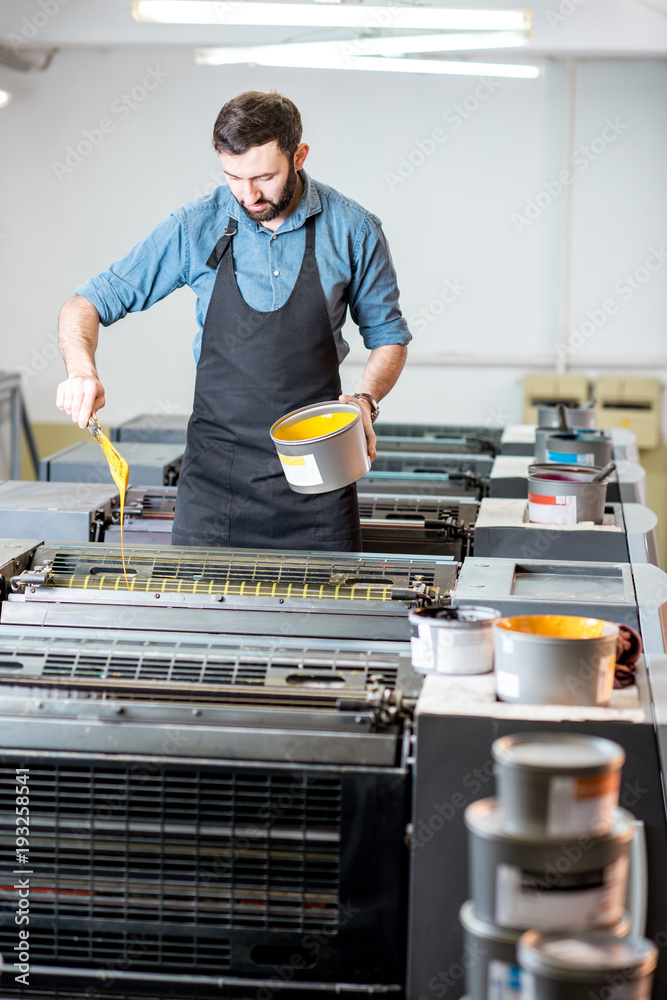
322, 447
495, 974
557, 784
564, 494
555, 659
574, 448
453, 640
544, 883
578, 416
586, 965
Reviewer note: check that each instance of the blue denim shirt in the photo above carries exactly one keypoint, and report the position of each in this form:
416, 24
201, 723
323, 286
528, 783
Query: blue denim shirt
352, 254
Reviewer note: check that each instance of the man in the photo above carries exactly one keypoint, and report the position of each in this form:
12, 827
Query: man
275, 259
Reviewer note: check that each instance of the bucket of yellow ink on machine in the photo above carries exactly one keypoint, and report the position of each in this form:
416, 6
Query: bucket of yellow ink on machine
322, 447
555, 659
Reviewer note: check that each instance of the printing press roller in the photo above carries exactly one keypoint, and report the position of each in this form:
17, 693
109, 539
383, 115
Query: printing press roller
225, 590
199, 805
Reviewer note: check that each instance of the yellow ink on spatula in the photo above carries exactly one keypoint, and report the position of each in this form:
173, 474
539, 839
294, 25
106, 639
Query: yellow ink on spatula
120, 472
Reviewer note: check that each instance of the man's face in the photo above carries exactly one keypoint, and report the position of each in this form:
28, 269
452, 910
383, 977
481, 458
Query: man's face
262, 180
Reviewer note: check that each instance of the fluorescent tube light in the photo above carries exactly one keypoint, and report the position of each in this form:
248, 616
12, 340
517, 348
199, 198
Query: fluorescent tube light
5, 98
339, 55
328, 15
362, 46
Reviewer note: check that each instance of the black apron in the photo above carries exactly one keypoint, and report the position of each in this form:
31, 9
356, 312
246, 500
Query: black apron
254, 368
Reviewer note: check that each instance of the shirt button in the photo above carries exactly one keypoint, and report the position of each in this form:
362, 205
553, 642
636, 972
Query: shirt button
276, 273
274, 237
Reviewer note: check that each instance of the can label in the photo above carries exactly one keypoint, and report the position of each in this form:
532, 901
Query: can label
301, 470
582, 805
507, 685
556, 897
566, 458
552, 510
504, 981
421, 654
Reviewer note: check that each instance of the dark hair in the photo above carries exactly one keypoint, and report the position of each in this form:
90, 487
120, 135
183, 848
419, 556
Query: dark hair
253, 119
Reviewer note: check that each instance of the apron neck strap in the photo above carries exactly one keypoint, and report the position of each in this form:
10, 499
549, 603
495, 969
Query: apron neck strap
222, 244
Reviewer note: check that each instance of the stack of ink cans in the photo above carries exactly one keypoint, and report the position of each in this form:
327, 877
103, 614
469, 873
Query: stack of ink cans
550, 855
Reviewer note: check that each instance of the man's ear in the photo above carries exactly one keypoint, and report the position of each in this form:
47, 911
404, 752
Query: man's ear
300, 155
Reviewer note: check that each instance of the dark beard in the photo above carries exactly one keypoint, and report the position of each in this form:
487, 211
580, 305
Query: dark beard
275, 208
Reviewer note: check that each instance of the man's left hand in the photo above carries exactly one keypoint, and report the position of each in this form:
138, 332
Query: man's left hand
365, 408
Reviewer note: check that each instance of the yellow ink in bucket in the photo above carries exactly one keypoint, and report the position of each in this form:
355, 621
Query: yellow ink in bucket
120, 473
314, 427
555, 626
322, 447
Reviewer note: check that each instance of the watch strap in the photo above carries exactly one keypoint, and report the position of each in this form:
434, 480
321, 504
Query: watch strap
375, 409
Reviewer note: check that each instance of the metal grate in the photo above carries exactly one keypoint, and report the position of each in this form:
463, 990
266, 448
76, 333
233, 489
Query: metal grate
180, 665
401, 509
176, 855
231, 572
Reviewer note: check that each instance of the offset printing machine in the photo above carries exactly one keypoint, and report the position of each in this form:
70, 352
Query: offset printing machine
207, 810
293, 753
399, 523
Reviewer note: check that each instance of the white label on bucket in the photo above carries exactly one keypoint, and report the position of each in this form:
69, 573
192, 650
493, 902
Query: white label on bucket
507, 685
301, 470
551, 898
552, 510
582, 805
585, 458
422, 655
504, 981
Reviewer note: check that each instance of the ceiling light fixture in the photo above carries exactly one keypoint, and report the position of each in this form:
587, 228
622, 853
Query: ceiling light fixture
328, 15
342, 55
5, 98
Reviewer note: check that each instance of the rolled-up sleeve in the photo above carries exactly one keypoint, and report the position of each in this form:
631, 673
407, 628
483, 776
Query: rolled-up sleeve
156, 266
373, 290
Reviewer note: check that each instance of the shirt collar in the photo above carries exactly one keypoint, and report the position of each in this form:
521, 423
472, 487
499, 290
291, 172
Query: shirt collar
309, 204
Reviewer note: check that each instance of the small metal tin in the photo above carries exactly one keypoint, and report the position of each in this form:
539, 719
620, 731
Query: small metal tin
578, 416
545, 883
586, 964
453, 640
564, 494
557, 784
579, 447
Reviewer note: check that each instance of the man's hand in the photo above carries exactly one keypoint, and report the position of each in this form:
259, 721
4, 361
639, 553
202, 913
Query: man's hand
80, 398
365, 408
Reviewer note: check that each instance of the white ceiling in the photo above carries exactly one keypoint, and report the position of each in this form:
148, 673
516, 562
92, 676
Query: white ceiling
561, 27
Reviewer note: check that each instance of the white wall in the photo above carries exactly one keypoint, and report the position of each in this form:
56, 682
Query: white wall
450, 220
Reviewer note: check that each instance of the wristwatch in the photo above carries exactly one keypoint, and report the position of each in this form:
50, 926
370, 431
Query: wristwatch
375, 409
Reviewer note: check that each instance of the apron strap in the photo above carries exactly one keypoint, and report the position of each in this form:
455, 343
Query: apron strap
222, 244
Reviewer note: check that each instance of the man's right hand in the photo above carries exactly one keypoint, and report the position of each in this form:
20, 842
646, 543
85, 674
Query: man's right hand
80, 398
